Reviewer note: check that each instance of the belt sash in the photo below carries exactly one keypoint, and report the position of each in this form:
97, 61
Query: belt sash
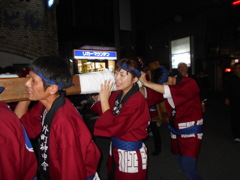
189, 130
126, 145
153, 108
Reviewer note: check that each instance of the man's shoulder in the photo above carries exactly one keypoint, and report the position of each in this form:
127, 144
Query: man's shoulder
193, 76
3, 104
189, 78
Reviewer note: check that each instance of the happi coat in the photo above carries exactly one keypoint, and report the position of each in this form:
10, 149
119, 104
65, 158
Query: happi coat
129, 125
72, 152
153, 98
17, 158
185, 98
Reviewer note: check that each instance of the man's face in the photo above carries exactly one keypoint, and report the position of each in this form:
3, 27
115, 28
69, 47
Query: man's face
35, 88
183, 69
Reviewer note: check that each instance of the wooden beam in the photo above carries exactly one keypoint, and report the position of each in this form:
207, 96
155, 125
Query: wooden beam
76, 88
15, 89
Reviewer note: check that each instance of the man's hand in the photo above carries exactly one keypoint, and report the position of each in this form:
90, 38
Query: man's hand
143, 78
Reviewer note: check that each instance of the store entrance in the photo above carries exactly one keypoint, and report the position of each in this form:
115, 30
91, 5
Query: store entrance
86, 66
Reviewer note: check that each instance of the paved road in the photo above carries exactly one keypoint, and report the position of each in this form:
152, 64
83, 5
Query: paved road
219, 158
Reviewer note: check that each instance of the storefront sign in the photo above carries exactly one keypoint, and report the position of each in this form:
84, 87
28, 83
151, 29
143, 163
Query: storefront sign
92, 54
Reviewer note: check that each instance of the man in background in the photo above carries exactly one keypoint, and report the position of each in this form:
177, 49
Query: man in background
232, 98
183, 70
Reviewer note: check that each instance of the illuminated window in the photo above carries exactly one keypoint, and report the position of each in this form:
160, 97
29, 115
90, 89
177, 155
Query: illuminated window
180, 52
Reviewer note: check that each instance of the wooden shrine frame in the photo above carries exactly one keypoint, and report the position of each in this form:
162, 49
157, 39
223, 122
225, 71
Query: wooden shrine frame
15, 89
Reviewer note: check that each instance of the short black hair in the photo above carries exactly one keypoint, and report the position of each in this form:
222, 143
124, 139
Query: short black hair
54, 68
178, 76
132, 66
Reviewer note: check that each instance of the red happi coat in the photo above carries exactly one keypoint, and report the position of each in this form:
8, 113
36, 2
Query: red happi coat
16, 161
186, 99
129, 125
153, 98
72, 152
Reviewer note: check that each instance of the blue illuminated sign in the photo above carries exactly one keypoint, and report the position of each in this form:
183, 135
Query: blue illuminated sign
92, 54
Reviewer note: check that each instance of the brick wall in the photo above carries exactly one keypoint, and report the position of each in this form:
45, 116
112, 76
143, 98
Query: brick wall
28, 28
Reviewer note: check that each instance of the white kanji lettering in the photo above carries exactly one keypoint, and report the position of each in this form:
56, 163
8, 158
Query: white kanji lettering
44, 156
45, 129
44, 165
43, 147
128, 160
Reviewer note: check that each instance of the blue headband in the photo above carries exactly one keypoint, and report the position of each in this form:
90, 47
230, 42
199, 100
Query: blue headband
60, 86
125, 67
1, 89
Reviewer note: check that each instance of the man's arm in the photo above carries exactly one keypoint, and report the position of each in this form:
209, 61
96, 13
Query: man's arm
154, 86
21, 108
